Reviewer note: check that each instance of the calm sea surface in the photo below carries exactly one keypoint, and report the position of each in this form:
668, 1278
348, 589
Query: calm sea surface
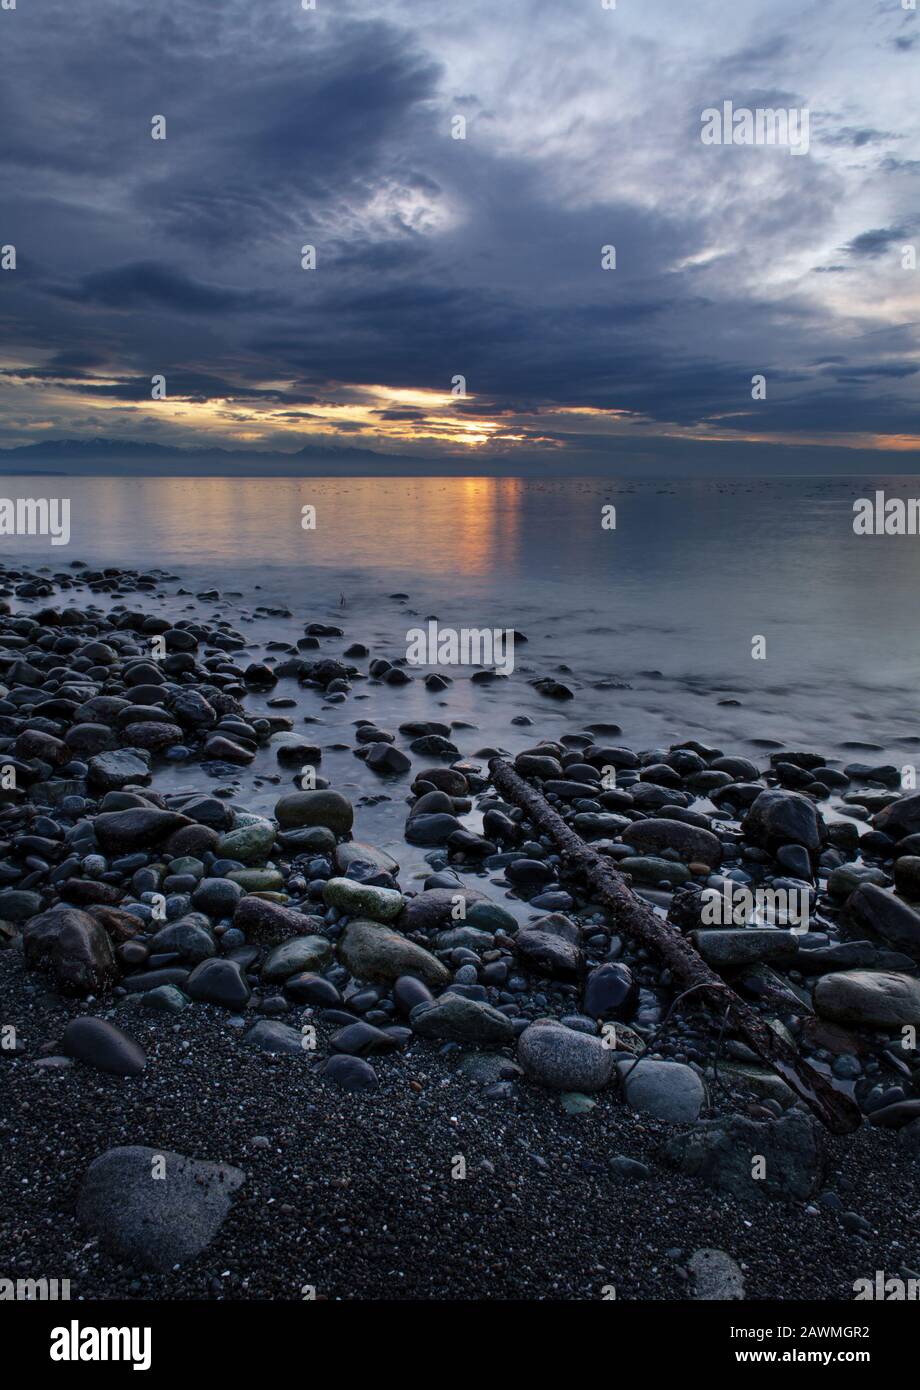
668, 603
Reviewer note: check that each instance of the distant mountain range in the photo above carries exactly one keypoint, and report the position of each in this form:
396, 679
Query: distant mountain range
116, 456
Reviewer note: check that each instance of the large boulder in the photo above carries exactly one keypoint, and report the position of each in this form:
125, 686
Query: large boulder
723, 1154
101, 1045
139, 827
668, 1091
563, 1059
267, 923
870, 907
380, 954
326, 807
154, 1209
869, 999
458, 1019
692, 843
780, 818
73, 948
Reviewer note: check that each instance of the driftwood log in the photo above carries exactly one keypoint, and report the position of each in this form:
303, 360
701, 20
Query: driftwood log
637, 919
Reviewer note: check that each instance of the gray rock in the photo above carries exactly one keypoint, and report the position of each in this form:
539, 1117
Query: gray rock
350, 1073
312, 953
783, 818
376, 953
73, 948
744, 946
667, 1091
328, 808
459, 1019
268, 923
715, 1276
363, 899
250, 844
869, 998
871, 908
563, 1059
99, 1044
120, 832
725, 1154
552, 946
690, 842
120, 768
155, 1209
219, 982
269, 1035
191, 938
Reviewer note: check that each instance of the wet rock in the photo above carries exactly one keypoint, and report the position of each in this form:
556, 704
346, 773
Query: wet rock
869, 999
120, 832
462, 1020
611, 991
363, 900
732, 948
326, 808
690, 842
552, 946
268, 923
250, 844
377, 953
310, 953
871, 908
783, 818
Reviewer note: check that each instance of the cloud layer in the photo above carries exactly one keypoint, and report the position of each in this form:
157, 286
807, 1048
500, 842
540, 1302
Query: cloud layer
439, 258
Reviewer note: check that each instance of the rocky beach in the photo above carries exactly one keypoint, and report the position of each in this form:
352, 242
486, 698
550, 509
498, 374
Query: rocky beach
249, 1052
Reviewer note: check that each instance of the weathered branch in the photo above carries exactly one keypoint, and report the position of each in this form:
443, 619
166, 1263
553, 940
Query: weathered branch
634, 917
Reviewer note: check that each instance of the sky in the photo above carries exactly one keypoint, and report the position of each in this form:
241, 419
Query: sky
459, 310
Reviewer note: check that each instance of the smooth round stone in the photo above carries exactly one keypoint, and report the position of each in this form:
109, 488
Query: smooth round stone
295, 955
362, 1039
409, 991
251, 844
165, 999
310, 988
217, 897
563, 1059
529, 872
99, 1044
219, 982
351, 1073
363, 900
268, 1035
257, 880
611, 991
326, 808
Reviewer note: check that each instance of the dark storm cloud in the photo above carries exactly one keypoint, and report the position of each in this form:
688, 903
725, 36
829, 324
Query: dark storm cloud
434, 257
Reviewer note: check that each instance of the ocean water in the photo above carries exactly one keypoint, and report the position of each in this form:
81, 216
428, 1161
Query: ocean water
651, 624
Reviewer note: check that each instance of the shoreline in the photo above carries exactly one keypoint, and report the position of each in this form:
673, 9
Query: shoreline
207, 938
